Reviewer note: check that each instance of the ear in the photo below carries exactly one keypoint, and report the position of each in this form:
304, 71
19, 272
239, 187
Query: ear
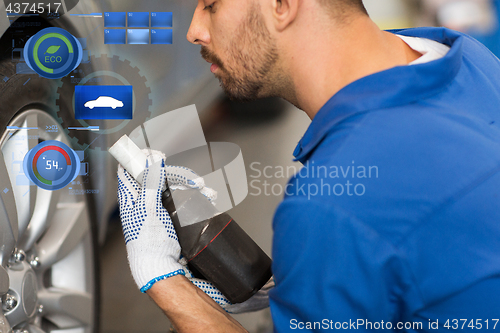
284, 13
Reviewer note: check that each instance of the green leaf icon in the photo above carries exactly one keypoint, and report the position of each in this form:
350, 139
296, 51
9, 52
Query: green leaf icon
52, 49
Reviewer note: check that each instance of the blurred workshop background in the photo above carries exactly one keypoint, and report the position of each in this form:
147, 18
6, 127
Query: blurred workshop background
267, 132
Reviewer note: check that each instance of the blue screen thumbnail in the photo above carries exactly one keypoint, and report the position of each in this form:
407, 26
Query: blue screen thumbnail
161, 20
161, 36
137, 36
115, 20
103, 102
138, 20
114, 36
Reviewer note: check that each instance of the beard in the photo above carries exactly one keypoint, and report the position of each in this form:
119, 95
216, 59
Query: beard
247, 72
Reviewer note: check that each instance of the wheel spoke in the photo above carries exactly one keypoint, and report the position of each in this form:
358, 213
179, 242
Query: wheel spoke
4, 282
7, 238
30, 122
14, 149
69, 225
8, 215
45, 208
59, 303
35, 329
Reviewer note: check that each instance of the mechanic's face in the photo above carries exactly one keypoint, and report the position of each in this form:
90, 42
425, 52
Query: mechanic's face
235, 39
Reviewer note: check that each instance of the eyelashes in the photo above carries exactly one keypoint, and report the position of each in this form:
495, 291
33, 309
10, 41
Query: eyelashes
210, 7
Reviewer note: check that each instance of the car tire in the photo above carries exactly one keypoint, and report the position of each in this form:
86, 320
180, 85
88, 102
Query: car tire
48, 239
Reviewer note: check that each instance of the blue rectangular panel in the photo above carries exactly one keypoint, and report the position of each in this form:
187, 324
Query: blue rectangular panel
138, 20
83, 42
161, 36
81, 154
103, 102
161, 19
85, 56
115, 20
115, 36
137, 36
84, 169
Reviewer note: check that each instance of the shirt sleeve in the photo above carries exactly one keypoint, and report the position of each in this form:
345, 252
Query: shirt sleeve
331, 269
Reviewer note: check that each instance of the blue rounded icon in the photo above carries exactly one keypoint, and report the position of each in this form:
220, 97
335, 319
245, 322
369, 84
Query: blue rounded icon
51, 165
53, 53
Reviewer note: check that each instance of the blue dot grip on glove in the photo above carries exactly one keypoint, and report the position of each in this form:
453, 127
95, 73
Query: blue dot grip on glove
152, 246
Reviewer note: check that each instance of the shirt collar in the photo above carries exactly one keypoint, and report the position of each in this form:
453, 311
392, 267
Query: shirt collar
393, 87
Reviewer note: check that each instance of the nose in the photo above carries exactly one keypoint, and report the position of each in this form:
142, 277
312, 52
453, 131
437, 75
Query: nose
198, 32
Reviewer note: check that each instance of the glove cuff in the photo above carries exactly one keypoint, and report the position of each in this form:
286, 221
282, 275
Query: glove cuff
148, 285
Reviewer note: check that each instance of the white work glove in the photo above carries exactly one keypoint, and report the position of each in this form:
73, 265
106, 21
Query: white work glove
152, 246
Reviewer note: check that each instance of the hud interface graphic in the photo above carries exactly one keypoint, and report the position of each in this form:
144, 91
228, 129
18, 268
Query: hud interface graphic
95, 70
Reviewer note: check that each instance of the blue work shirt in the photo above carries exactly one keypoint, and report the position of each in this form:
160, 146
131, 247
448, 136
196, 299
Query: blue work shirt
395, 217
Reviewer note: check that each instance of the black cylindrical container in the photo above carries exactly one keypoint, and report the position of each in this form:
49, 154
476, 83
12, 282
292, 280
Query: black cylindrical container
217, 247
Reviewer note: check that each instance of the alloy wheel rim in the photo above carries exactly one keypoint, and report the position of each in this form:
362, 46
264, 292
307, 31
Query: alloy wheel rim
46, 247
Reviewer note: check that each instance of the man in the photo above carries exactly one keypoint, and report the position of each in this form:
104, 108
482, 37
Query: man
393, 223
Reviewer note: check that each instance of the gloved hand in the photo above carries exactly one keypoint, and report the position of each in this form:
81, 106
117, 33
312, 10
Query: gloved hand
151, 241
152, 245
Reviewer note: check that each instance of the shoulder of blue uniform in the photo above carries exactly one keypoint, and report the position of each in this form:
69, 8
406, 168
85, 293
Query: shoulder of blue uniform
438, 34
401, 131
400, 85
472, 47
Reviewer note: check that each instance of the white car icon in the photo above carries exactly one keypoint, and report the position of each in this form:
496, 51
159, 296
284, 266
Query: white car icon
104, 102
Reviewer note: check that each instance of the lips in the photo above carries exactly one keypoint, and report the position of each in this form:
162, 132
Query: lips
210, 57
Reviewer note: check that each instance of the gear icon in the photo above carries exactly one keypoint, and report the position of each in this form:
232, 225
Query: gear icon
102, 70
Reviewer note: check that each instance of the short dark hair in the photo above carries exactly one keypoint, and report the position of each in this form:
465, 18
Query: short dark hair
343, 7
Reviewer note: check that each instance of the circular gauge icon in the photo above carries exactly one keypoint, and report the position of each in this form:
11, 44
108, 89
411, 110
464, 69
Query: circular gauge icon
53, 53
51, 165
